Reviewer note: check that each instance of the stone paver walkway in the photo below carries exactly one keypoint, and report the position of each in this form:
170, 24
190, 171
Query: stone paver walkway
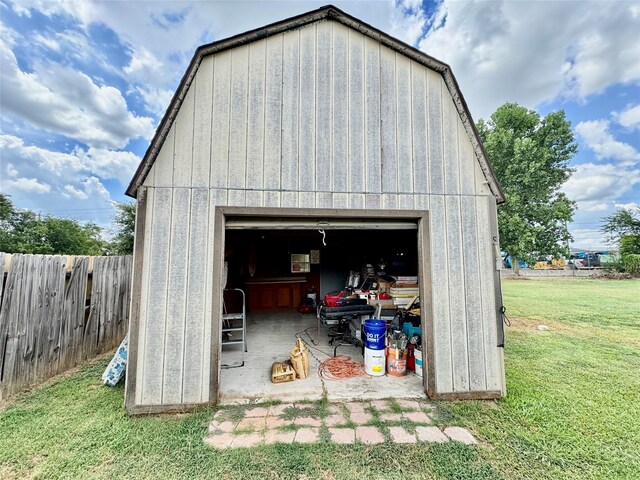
398, 421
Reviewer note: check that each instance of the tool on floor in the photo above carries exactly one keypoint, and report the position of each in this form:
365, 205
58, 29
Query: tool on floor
282, 372
299, 357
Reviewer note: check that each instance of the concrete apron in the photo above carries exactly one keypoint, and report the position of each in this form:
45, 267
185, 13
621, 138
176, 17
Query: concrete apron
271, 337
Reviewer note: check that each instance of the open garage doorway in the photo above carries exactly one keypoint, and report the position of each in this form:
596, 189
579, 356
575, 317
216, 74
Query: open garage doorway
276, 268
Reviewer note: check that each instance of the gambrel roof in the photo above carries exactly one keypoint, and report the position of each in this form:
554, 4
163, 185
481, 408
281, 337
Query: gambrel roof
328, 12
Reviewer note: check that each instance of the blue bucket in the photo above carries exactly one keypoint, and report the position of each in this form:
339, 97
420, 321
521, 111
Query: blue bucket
374, 331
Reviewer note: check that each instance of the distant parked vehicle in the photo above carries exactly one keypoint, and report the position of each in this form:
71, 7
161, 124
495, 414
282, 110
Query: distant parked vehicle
587, 260
506, 261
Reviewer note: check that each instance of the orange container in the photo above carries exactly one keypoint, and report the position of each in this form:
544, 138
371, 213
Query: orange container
396, 362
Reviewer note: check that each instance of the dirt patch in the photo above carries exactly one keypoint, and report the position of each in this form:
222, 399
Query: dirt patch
521, 323
531, 325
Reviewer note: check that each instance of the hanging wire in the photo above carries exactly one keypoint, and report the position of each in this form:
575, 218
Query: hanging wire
506, 321
323, 237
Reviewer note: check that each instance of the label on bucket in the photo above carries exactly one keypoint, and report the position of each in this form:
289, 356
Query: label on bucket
377, 368
374, 331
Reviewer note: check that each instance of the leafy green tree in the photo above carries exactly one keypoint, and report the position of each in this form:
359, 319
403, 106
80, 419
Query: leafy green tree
6, 207
125, 224
530, 156
24, 231
623, 228
66, 236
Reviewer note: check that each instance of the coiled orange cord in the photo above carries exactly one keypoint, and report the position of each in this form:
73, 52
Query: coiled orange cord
341, 367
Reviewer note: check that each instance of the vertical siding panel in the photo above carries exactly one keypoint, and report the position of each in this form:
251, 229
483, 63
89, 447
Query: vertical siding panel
273, 121
486, 260
220, 119
389, 201
323, 107
255, 122
419, 129
456, 257
406, 202
164, 162
145, 291
202, 124
150, 179
434, 119
372, 118
466, 161
216, 197
421, 202
238, 125
481, 184
373, 201
324, 200
356, 201
290, 97
196, 294
388, 117
473, 300
176, 297
340, 200
356, 115
457, 295
183, 149
404, 127
475, 320
307, 125
340, 108
307, 200
440, 296
157, 299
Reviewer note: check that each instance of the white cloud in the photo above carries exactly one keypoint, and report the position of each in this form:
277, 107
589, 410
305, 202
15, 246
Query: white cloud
593, 206
628, 206
600, 184
143, 63
596, 135
628, 118
67, 102
534, 52
67, 184
408, 21
589, 239
71, 191
99, 161
48, 42
156, 99
31, 185
11, 171
91, 187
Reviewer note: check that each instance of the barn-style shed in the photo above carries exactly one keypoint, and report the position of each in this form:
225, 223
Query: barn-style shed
288, 153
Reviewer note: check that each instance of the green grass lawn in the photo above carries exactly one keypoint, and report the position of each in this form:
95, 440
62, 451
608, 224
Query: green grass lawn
573, 411
573, 404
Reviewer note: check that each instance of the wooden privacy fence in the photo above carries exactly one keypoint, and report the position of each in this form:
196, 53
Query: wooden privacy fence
56, 312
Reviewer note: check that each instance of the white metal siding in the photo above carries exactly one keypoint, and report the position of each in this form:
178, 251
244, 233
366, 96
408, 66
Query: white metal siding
320, 117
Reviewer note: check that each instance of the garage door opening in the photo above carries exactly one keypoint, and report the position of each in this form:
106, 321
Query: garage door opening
276, 268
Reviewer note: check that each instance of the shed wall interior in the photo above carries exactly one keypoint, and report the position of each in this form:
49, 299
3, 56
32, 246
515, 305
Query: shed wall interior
322, 117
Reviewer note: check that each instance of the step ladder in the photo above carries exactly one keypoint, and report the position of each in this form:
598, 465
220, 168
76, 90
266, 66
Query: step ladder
234, 327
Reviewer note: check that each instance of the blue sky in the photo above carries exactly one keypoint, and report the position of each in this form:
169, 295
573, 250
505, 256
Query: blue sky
84, 83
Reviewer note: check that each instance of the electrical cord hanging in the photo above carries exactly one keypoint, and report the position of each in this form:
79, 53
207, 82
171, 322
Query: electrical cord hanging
324, 235
504, 321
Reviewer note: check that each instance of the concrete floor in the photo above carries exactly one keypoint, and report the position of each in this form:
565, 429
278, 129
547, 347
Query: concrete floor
271, 337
